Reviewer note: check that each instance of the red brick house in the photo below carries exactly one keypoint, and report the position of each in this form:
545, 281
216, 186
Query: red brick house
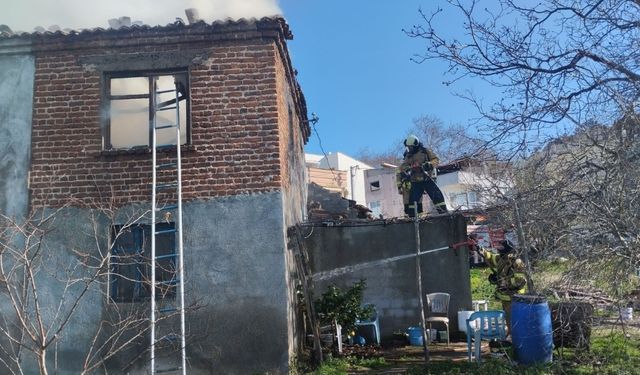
73, 104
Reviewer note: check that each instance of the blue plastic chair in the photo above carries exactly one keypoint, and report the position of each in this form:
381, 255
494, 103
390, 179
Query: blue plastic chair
373, 322
485, 325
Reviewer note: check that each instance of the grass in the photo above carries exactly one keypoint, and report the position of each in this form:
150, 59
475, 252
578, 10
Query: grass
342, 366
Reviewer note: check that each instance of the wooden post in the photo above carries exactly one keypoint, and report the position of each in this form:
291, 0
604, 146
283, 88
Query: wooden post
524, 247
305, 275
416, 223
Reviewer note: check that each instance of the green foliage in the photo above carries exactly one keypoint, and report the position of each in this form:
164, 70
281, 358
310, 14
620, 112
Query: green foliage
481, 288
343, 306
333, 367
343, 366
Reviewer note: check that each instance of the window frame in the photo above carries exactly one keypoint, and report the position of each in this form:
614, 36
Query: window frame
140, 289
107, 98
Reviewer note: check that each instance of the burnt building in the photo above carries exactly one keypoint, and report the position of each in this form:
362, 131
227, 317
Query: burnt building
75, 142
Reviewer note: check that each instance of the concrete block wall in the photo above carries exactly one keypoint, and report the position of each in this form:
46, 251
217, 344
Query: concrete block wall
391, 286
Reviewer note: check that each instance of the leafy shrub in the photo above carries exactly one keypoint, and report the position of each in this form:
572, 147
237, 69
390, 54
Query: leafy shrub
345, 307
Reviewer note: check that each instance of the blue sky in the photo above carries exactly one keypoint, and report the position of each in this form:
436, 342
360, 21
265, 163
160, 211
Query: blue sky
353, 63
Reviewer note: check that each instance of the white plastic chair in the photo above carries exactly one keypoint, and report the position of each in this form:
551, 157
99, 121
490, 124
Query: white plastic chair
438, 310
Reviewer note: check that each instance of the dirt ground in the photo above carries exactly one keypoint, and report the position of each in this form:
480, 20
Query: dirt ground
402, 358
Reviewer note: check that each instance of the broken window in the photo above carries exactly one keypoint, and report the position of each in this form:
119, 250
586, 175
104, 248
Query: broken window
130, 266
375, 185
131, 109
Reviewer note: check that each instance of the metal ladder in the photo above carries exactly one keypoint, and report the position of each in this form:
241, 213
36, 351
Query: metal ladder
166, 309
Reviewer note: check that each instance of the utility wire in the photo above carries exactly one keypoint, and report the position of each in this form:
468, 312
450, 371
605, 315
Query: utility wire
314, 120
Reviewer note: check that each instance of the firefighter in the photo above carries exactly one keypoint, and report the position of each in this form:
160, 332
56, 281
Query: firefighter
507, 275
416, 175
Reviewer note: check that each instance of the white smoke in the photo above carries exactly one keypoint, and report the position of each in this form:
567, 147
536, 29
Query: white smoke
25, 15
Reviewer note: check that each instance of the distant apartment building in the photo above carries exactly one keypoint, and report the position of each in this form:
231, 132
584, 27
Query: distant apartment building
381, 193
339, 172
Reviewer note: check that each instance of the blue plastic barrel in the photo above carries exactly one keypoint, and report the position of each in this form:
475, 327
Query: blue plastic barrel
532, 334
415, 336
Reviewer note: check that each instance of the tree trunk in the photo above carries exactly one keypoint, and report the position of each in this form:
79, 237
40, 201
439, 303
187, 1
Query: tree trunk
42, 362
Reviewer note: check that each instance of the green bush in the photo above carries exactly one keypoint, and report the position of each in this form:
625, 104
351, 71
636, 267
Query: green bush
345, 307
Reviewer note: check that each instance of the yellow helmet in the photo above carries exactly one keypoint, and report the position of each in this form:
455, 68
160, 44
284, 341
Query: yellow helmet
411, 140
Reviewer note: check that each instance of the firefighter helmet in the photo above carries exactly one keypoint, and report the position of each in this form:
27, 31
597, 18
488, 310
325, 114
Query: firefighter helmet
411, 141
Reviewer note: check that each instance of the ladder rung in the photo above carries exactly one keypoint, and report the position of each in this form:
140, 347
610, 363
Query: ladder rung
166, 370
166, 186
167, 126
169, 282
165, 91
166, 166
167, 309
163, 231
167, 207
170, 337
165, 146
166, 108
166, 256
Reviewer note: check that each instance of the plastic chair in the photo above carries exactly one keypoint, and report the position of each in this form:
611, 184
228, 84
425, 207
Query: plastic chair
371, 322
438, 310
484, 325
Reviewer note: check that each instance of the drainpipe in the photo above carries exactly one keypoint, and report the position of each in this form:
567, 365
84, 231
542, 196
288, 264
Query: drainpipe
352, 173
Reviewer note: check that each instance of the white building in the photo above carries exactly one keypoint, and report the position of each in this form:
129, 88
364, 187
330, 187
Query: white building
355, 172
381, 192
467, 184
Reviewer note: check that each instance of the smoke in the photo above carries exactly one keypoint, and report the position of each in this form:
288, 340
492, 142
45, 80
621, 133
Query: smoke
25, 15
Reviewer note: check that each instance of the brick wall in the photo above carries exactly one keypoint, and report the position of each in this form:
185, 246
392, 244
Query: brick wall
235, 116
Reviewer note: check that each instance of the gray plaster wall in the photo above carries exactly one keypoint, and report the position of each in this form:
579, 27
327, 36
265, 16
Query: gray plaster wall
391, 285
235, 282
16, 104
69, 235
235, 264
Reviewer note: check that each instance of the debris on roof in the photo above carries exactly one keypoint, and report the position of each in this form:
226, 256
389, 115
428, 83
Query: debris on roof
124, 23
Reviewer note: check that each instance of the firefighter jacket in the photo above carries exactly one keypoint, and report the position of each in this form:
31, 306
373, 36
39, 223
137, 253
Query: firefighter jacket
417, 166
509, 274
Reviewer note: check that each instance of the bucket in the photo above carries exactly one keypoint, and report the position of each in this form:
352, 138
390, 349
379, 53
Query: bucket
462, 320
415, 336
626, 314
431, 335
443, 336
531, 334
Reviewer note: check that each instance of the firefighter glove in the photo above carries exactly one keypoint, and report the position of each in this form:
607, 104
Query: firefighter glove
427, 167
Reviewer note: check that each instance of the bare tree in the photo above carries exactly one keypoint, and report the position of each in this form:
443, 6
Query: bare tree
578, 198
449, 142
48, 290
556, 62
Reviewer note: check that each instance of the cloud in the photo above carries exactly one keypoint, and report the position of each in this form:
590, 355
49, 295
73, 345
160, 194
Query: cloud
25, 15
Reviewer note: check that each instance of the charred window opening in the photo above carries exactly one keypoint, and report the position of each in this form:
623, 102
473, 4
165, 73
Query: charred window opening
375, 185
130, 265
130, 111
